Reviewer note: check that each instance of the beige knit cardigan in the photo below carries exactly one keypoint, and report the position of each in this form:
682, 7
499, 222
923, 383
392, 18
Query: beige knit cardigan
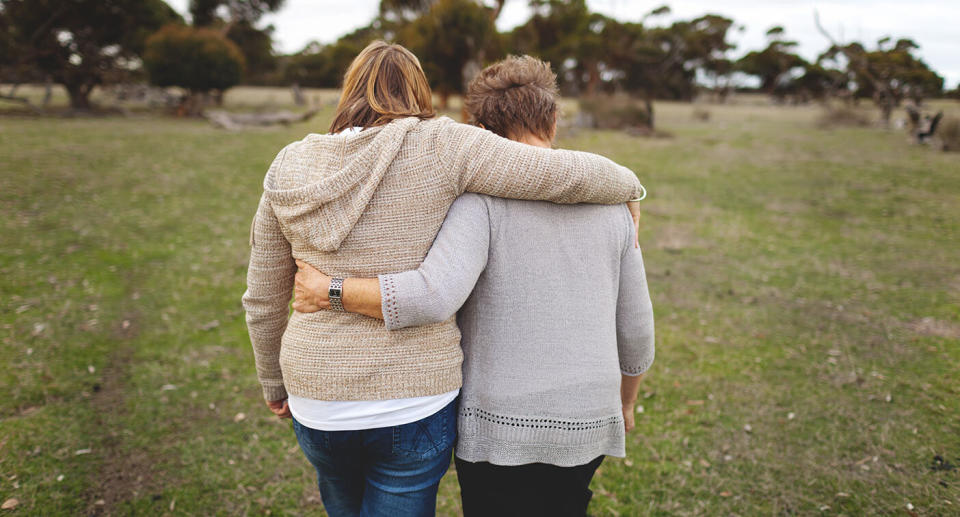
370, 203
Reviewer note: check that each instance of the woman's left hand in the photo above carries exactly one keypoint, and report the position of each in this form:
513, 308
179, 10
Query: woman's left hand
634, 207
311, 289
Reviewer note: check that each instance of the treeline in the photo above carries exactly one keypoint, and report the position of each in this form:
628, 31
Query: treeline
85, 43
593, 53
82, 44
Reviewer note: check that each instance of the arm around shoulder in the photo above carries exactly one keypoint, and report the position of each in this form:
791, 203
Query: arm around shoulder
480, 161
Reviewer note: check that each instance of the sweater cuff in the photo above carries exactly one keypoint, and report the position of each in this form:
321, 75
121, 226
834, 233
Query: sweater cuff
388, 302
274, 392
634, 371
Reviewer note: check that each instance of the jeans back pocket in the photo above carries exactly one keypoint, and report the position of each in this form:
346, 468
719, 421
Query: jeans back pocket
426, 437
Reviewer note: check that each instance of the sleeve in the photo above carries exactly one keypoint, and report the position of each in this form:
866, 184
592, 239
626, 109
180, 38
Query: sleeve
635, 336
436, 290
482, 162
270, 277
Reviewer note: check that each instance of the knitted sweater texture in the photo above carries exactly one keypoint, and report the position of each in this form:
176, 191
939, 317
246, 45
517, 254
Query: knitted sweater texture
553, 306
372, 203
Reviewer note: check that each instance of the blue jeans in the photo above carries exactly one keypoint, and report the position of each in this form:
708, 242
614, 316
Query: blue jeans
388, 471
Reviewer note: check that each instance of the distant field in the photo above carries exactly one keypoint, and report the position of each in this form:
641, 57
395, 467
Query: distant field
806, 285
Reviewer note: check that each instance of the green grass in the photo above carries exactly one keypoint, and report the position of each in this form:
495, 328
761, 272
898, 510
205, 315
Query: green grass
794, 271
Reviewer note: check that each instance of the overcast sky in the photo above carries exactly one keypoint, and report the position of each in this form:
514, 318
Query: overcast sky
933, 24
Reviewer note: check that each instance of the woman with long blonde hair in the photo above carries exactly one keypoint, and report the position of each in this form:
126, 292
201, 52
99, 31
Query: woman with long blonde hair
375, 410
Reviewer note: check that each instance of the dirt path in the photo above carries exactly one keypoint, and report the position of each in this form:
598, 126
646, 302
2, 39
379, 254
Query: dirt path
124, 473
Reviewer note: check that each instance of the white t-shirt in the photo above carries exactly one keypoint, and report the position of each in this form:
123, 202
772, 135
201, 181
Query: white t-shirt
352, 415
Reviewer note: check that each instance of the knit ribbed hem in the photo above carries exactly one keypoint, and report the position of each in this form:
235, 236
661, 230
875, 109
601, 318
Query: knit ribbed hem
511, 454
517, 440
333, 386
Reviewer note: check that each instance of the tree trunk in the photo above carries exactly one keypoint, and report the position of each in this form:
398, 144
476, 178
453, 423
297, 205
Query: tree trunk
471, 69
79, 95
298, 97
192, 104
886, 110
444, 98
886, 104
48, 92
648, 102
593, 79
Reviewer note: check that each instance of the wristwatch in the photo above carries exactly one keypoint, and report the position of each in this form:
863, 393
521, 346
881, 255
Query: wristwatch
336, 294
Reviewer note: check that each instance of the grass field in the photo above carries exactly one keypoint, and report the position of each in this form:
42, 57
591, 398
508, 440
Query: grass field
806, 285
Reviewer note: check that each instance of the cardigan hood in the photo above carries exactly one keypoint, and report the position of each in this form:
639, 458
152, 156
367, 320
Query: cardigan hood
319, 187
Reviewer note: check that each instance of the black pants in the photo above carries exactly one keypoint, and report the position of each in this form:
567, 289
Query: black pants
525, 490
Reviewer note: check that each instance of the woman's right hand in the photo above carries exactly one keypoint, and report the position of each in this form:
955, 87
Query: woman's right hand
279, 408
311, 289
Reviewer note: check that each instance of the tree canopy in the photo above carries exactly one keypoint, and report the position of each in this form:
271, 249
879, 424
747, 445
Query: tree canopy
451, 34
323, 66
79, 43
238, 20
205, 12
214, 62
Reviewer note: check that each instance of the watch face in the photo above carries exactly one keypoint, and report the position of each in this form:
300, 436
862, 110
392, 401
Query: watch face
335, 292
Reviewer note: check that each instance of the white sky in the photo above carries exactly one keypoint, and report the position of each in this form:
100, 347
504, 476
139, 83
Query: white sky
933, 24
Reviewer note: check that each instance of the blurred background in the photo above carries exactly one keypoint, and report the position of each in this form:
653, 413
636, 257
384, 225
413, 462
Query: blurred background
800, 238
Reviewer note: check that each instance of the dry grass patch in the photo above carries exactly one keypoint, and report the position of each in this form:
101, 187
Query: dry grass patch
933, 327
843, 116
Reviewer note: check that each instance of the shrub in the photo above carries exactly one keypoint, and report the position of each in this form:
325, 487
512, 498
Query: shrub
199, 60
614, 112
843, 116
949, 135
701, 115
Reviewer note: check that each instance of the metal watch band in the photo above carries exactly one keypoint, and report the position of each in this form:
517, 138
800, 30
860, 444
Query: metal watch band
336, 294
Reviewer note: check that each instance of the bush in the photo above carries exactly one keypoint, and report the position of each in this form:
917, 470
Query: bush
614, 112
843, 116
701, 115
949, 134
199, 60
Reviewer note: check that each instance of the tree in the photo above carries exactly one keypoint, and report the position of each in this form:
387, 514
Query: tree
81, 43
665, 61
237, 20
8, 58
591, 52
323, 66
400, 12
205, 12
567, 35
451, 35
817, 82
887, 74
774, 64
198, 60
256, 45
707, 47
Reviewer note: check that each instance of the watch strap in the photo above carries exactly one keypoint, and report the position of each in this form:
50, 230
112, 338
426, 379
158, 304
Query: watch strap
336, 294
